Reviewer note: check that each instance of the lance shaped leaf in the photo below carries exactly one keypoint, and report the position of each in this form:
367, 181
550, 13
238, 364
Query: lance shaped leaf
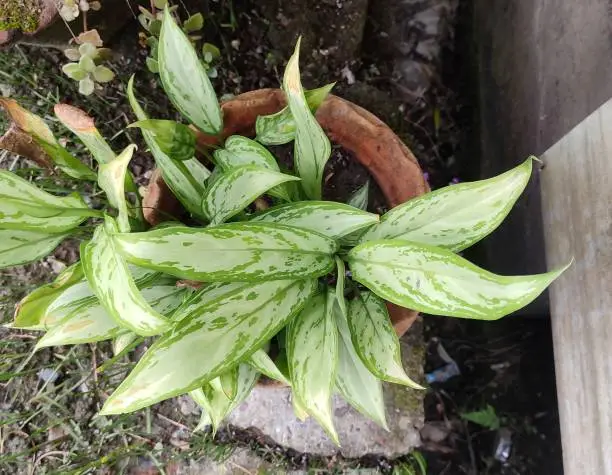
241, 151
360, 198
264, 364
279, 128
176, 140
185, 80
457, 216
375, 340
312, 147
122, 341
21, 247
111, 178
229, 383
340, 277
331, 219
312, 354
354, 381
235, 189
39, 131
437, 281
110, 279
231, 252
185, 179
91, 322
212, 339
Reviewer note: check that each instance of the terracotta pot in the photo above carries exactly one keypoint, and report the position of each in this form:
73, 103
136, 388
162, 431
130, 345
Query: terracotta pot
373, 143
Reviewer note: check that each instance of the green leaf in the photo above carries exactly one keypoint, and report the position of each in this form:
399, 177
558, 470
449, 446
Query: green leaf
264, 364
86, 86
486, 417
111, 178
312, 147
375, 340
103, 74
110, 279
331, 219
312, 353
25, 207
241, 151
340, 276
279, 128
87, 49
210, 341
209, 48
231, 252
122, 341
21, 247
34, 126
457, 216
194, 23
74, 71
174, 139
185, 80
359, 199
235, 189
229, 383
91, 322
185, 179
86, 64
354, 381
152, 65
434, 280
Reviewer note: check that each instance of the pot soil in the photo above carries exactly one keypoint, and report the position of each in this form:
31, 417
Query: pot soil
366, 137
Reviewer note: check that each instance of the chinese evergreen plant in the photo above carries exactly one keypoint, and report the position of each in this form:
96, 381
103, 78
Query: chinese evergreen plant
264, 274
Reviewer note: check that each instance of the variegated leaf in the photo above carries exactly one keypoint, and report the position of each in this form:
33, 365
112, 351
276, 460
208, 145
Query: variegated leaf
203, 296
331, 219
185, 80
40, 132
360, 198
457, 216
109, 278
241, 151
111, 178
21, 247
185, 179
235, 189
264, 364
340, 277
279, 128
298, 408
354, 381
174, 139
434, 280
91, 322
312, 147
122, 341
229, 383
231, 252
312, 354
375, 340
210, 341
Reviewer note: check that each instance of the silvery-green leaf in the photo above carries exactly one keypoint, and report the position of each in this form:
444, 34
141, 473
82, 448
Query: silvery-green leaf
110, 279
210, 341
279, 128
341, 275
241, 151
229, 383
231, 252
437, 281
354, 381
457, 216
205, 419
312, 147
176, 140
20, 247
375, 340
185, 179
331, 219
36, 128
298, 408
21, 215
122, 341
235, 189
91, 322
359, 199
203, 296
312, 354
264, 364
185, 80
31, 312
111, 178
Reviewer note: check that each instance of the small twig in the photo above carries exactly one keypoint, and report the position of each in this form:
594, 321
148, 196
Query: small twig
84, 22
177, 424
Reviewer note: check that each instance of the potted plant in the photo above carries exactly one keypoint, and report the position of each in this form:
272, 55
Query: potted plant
309, 276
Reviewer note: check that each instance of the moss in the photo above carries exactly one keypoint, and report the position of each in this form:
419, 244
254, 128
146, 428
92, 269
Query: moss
19, 14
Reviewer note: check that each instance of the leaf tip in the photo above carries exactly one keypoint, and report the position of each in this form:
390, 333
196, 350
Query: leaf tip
74, 118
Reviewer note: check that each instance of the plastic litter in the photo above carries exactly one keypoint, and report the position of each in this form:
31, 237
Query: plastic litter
446, 372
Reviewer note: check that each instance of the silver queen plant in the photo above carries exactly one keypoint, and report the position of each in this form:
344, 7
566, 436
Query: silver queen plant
263, 274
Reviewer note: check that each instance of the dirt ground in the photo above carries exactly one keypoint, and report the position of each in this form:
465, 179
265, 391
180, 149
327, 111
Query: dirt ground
50, 427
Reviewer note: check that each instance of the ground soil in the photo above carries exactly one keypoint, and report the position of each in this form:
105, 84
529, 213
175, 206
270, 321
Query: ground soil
507, 364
